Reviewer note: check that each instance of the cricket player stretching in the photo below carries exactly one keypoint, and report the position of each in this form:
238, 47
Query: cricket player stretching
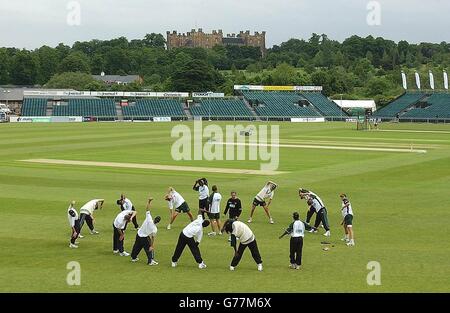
191, 236
321, 215
87, 214
119, 225
177, 205
297, 231
306, 195
239, 230
145, 237
201, 186
347, 214
74, 223
260, 200
126, 204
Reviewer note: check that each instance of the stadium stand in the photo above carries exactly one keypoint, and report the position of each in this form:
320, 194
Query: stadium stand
222, 108
323, 104
101, 108
400, 104
435, 106
279, 104
147, 108
34, 107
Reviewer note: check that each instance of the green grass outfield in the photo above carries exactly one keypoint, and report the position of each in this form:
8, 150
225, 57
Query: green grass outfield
401, 203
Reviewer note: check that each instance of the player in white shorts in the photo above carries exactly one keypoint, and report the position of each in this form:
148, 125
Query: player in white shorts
347, 221
214, 211
260, 200
177, 205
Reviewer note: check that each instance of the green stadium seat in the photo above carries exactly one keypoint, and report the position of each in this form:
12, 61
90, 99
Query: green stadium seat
223, 108
34, 107
146, 108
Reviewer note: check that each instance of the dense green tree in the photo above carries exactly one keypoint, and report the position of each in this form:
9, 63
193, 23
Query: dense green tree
196, 75
75, 62
24, 68
74, 80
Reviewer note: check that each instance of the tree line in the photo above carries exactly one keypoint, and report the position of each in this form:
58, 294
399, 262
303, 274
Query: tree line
355, 68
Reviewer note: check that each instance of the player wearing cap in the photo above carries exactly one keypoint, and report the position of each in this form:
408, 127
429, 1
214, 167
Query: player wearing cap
119, 225
214, 211
241, 231
297, 231
87, 214
126, 204
74, 223
191, 236
347, 222
260, 200
177, 205
145, 237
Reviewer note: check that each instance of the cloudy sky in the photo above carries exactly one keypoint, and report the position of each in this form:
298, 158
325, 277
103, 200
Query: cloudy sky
32, 23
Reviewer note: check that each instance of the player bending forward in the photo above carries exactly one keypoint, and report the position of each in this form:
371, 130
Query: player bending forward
74, 223
177, 205
347, 214
260, 200
191, 236
145, 237
239, 230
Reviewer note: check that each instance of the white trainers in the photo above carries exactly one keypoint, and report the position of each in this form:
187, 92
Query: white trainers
271, 220
94, 232
80, 236
249, 220
297, 267
115, 251
71, 245
202, 265
229, 239
174, 264
350, 243
153, 262
213, 233
344, 239
312, 231
124, 254
231, 268
169, 226
135, 260
327, 233
260, 268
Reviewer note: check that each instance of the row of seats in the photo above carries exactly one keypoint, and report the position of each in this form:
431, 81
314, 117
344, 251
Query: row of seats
279, 104
323, 104
221, 108
86, 107
439, 107
34, 107
399, 105
153, 108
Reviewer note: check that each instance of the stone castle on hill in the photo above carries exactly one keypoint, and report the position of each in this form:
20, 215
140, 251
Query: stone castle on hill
200, 39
